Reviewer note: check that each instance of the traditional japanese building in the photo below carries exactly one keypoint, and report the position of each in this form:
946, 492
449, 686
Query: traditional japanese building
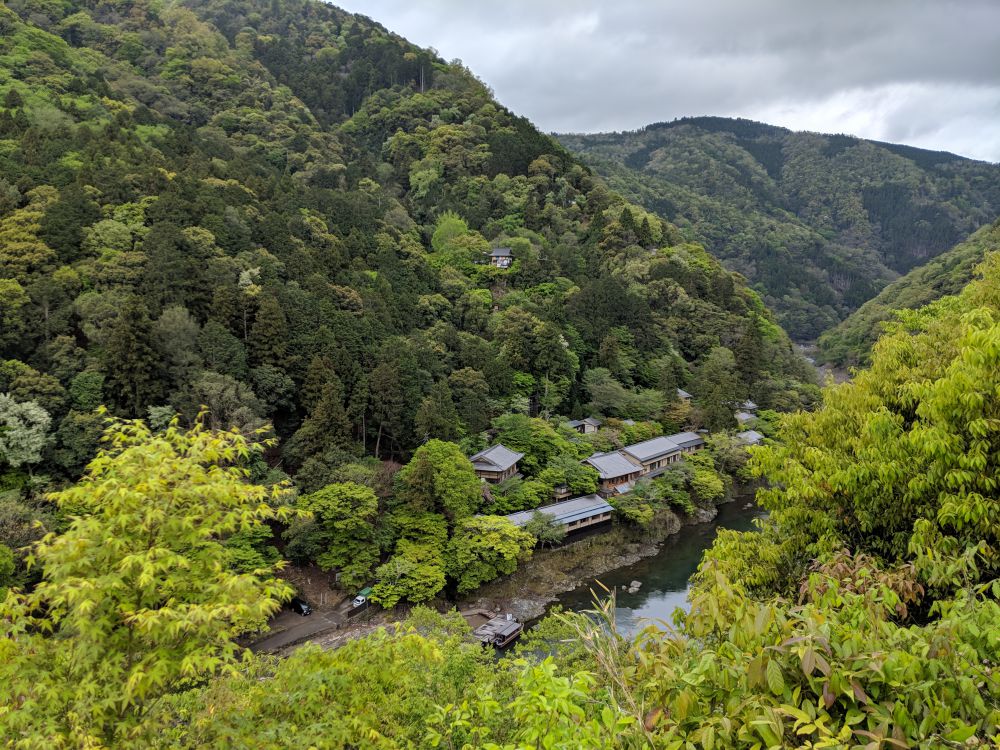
574, 514
586, 426
496, 463
654, 454
501, 257
616, 472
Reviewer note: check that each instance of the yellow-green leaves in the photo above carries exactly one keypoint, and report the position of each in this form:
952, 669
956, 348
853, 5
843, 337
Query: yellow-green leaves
137, 590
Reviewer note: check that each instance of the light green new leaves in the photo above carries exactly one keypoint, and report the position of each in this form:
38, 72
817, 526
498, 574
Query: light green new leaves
136, 599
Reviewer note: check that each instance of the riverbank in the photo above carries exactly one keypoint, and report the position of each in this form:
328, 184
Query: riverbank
564, 575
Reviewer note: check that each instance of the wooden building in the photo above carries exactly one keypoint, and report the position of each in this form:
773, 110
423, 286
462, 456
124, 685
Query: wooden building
578, 513
587, 426
501, 257
496, 463
616, 472
654, 454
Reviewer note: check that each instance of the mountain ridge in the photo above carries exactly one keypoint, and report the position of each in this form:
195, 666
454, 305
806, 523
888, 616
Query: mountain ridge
818, 223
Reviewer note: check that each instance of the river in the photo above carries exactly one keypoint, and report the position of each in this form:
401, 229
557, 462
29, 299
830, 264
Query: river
665, 576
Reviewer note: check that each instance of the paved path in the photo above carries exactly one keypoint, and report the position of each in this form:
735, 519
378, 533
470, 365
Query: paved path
288, 628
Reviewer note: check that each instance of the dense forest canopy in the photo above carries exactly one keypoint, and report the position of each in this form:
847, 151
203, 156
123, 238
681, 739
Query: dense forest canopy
850, 342
817, 223
279, 216
862, 614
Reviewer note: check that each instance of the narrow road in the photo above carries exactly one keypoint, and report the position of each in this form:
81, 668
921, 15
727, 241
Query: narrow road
289, 628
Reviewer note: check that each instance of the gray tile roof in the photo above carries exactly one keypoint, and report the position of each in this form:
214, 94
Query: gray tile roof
594, 421
566, 511
612, 465
501, 252
751, 437
649, 450
495, 458
745, 416
748, 405
681, 393
687, 439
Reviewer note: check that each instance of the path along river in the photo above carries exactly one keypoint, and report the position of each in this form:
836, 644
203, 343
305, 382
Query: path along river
665, 576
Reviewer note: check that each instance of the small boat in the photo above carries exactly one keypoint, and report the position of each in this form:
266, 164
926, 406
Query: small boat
499, 631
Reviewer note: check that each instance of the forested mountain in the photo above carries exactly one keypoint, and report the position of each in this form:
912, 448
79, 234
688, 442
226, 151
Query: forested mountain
850, 342
282, 211
282, 214
818, 223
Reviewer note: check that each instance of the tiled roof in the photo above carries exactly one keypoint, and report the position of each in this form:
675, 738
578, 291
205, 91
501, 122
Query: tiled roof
648, 450
751, 437
611, 465
568, 510
687, 439
495, 458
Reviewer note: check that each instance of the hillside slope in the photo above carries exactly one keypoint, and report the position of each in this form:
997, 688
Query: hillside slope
818, 223
850, 342
282, 211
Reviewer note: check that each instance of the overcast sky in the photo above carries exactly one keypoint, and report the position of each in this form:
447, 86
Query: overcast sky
906, 71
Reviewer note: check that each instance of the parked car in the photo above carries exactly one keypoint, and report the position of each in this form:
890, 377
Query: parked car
362, 598
300, 606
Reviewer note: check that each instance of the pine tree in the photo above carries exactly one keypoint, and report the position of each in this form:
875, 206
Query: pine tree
437, 416
269, 335
131, 361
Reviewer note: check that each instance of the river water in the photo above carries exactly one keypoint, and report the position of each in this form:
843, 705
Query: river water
665, 576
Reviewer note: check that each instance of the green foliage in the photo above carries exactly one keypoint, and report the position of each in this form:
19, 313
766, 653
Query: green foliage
546, 530
24, 432
341, 534
484, 548
440, 479
415, 573
850, 342
719, 389
539, 441
135, 599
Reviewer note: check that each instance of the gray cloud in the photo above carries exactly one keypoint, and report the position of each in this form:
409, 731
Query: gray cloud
914, 71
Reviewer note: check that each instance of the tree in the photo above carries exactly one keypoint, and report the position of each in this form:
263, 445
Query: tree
24, 431
130, 361
415, 573
341, 535
326, 427
137, 587
7, 568
484, 548
718, 388
471, 392
269, 335
437, 416
547, 531
439, 478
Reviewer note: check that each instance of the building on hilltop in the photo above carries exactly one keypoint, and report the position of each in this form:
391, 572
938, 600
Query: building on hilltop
496, 463
501, 257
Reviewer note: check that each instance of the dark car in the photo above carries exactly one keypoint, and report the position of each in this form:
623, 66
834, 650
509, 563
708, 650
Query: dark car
300, 606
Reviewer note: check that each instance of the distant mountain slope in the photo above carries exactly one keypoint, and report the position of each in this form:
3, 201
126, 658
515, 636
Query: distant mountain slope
851, 341
819, 223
